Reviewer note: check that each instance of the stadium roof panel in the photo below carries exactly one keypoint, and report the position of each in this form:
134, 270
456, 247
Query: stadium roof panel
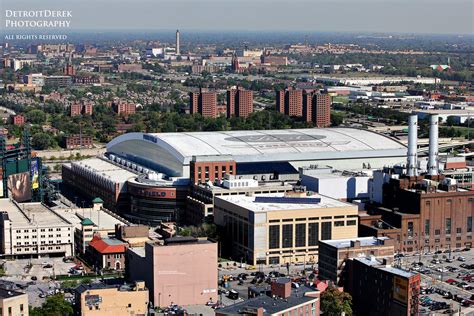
269, 145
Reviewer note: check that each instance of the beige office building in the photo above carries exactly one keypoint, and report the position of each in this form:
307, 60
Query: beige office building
279, 228
109, 300
13, 303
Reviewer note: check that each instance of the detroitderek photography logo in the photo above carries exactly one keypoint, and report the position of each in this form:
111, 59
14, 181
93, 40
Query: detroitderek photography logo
36, 24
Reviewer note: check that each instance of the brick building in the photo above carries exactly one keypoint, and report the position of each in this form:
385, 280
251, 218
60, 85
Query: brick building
311, 105
69, 70
239, 102
290, 102
203, 102
124, 108
106, 253
204, 169
280, 300
423, 210
423, 213
18, 119
334, 254
81, 109
378, 289
129, 67
78, 141
321, 110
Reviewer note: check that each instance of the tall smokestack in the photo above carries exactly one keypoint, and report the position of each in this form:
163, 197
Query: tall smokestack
177, 43
433, 149
412, 169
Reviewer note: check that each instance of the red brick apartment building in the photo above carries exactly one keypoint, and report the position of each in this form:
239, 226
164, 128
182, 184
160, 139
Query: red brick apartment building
18, 120
124, 108
312, 106
239, 102
78, 141
203, 102
81, 109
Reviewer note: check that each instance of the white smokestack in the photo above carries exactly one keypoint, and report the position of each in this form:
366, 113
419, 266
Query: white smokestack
412, 169
433, 149
178, 51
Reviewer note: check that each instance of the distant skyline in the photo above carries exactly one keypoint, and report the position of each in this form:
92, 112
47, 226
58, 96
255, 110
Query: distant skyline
386, 16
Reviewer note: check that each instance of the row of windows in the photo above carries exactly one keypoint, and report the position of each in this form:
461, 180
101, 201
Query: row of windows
447, 228
41, 248
300, 239
19, 231
300, 219
43, 242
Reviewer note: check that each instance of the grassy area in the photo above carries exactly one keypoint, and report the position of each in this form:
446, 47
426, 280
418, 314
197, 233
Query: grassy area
464, 131
340, 99
85, 278
2, 272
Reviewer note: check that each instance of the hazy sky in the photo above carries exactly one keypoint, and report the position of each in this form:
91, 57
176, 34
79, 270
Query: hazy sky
404, 16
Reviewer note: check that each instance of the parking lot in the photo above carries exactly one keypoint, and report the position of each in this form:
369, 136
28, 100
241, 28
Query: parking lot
34, 276
447, 281
239, 279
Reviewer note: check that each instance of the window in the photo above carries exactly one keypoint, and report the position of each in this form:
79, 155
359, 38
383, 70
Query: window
339, 223
326, 230
458, 230
274, 260
21, 307
129, 305
427, 227
448, 226
437, 232
10, 311
410, 229
351, 223
313, 234
469, 224
274, 237
287, 235
300, 231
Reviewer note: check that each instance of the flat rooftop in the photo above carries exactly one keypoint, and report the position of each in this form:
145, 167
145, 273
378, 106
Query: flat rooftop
271, 306
105, 168
346, 243
101, 219
35, 214
5, 294
377, 264
248, 202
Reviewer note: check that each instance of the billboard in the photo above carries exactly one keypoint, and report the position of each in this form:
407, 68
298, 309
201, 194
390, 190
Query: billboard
19, 184
34, 168
400, 289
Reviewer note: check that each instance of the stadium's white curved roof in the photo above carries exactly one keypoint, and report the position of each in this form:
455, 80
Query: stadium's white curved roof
261, 145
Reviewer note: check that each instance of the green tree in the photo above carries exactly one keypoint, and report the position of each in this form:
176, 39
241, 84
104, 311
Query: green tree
41, 141
334, 302
451, 121
36, 116
336, 118
54, 306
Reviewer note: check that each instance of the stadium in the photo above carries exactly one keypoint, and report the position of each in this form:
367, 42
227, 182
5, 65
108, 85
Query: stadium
172, 153
149, 177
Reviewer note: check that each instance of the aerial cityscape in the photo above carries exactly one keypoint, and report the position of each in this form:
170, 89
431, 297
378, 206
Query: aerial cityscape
203, 171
